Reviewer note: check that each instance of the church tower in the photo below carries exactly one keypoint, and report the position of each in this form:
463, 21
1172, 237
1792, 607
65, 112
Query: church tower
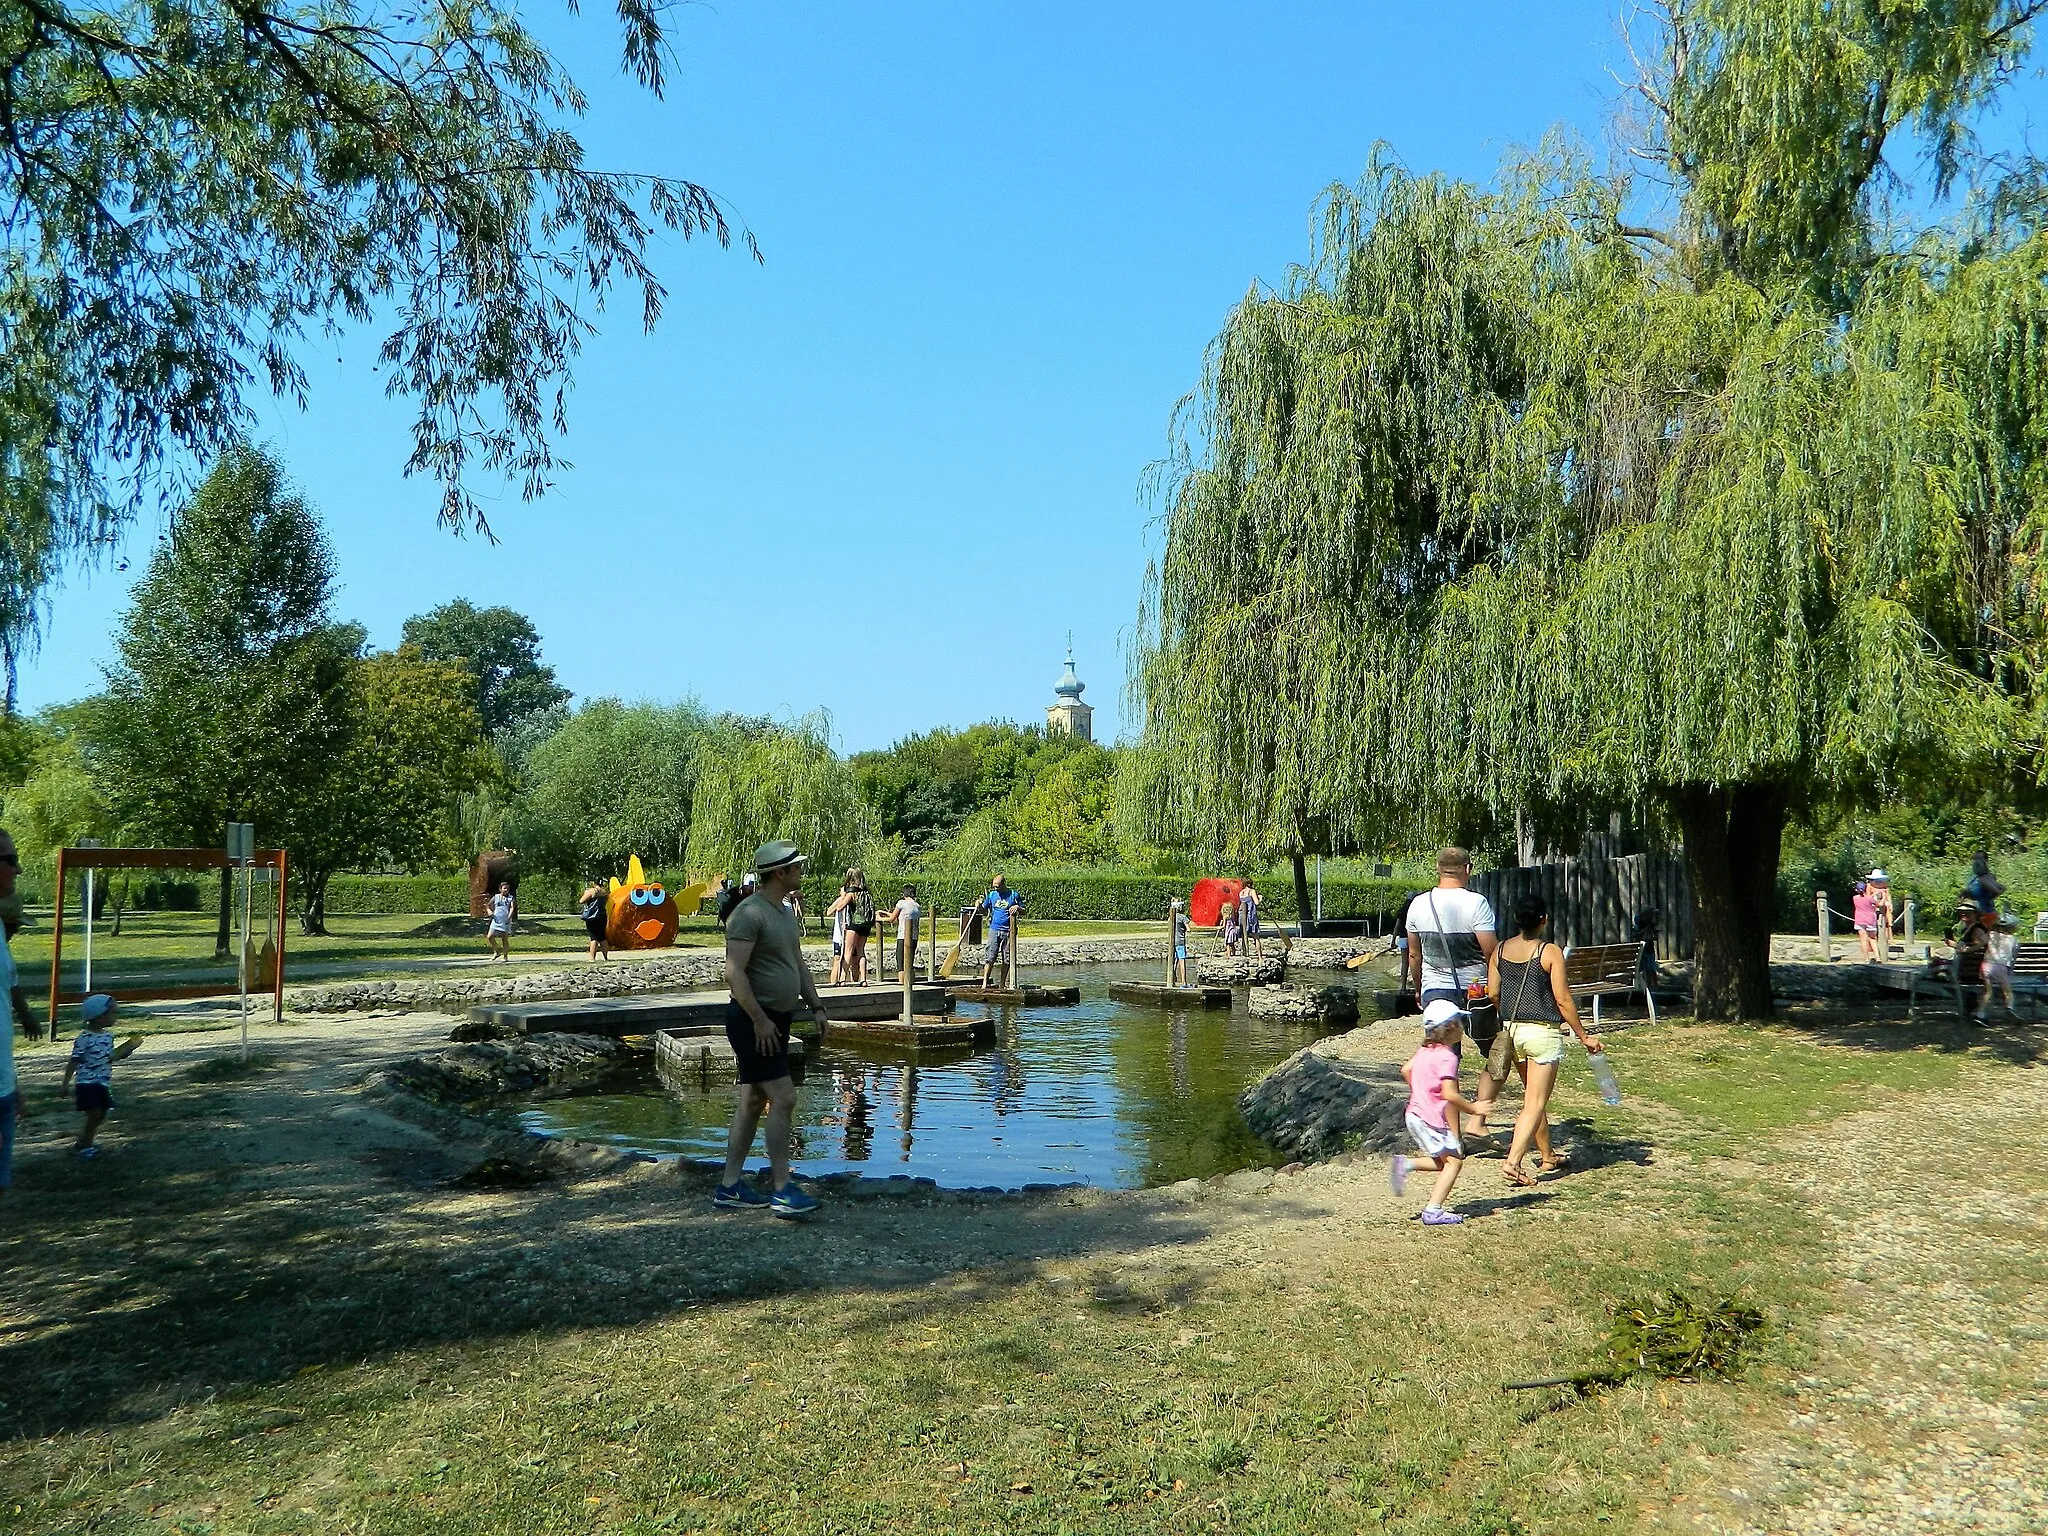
1070, 715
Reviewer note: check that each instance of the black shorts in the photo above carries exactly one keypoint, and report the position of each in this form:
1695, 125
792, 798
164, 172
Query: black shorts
755, 1067
863, 929
595, 927
93, 1096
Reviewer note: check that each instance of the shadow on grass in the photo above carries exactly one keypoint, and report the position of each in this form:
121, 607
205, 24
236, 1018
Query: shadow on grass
2015, 1042
154, 1277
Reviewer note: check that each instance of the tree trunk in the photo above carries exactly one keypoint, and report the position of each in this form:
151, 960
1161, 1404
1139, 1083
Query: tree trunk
1732, 841
1304, 904
223, 939
313, 903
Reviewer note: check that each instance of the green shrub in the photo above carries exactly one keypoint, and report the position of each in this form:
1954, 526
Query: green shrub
1112, 895
439, 895
1065, 895
1934, 884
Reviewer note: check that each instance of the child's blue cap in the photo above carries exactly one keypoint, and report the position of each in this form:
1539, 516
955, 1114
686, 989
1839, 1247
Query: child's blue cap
98, 1006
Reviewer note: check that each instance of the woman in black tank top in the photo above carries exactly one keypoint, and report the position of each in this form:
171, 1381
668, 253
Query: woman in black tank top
1526, 978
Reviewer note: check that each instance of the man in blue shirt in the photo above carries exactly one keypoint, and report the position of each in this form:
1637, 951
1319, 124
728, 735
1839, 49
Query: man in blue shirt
1001, 904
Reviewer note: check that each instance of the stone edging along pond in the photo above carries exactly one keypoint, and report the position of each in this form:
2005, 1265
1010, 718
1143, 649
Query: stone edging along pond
684, 969
677, 971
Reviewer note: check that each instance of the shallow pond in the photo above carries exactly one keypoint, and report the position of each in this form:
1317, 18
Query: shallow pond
1103, 1093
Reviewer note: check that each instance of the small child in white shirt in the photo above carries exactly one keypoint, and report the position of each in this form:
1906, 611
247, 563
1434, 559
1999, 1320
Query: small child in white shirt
91, 1069
2000, 946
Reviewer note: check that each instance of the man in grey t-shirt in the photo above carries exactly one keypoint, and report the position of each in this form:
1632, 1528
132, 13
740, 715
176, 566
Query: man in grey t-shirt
764, 962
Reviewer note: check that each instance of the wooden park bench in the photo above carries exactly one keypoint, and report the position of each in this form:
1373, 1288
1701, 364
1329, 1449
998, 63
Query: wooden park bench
1607, 970
2030, 975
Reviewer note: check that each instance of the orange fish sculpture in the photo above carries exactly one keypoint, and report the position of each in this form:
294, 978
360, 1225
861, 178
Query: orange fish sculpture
639, 914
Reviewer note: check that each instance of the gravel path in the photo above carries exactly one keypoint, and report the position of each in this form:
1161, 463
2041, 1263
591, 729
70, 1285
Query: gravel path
1921, 1407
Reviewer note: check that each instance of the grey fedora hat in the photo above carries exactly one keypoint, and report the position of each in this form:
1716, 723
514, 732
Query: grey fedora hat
774, 855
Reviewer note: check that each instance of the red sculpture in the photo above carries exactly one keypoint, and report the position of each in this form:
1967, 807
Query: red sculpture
1206, 902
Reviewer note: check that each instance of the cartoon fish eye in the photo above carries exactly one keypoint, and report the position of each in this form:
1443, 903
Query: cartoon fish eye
639, 896
656, 895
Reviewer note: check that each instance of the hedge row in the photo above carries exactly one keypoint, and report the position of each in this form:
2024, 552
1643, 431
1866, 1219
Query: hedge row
1055, 897
1935, 888
1080, 897
1069, 896
444, 895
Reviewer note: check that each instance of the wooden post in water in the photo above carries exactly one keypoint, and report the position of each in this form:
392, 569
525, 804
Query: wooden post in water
1169, 946
909, 969
1016, 939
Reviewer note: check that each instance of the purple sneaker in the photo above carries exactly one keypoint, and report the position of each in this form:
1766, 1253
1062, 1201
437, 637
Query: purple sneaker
1397, 1174
1442, 1219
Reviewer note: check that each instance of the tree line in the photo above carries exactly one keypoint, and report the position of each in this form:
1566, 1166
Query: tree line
236, 694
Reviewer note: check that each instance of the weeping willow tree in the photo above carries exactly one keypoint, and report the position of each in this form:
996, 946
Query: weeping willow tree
758, 782
1506, 499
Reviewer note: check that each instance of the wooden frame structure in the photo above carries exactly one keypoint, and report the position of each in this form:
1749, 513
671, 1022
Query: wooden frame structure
160, 858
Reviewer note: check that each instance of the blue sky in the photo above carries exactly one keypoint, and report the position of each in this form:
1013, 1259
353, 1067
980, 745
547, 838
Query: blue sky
903, 456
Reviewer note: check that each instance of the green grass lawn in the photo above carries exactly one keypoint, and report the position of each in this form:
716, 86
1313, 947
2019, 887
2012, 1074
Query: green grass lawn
176, 947
1344, 1375
1729, 1086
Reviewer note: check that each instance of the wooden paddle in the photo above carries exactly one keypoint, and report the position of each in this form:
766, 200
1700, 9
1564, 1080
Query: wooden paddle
1375, 954
952, 960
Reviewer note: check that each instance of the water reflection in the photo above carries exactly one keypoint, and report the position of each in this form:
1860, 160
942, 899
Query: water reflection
1104, 1093
857, 1130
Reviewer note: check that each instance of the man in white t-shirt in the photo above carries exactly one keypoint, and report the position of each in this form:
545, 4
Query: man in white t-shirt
1450, 933
1450, 939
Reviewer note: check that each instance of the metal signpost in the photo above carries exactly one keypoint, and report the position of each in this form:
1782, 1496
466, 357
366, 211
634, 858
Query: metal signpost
88, 842
241, 850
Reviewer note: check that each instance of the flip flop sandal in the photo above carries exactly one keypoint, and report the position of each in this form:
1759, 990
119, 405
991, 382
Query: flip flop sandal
1517, 1175
1555, 1161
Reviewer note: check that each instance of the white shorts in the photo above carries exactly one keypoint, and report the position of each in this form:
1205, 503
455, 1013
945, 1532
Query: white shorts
1432, 1140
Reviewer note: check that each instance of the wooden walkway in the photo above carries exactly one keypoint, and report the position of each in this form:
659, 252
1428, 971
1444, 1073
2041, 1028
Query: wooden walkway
1162, 996
925, 1031
648, 1013
1033, 997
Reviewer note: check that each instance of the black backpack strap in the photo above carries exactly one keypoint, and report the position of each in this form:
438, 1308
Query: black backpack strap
1457, 983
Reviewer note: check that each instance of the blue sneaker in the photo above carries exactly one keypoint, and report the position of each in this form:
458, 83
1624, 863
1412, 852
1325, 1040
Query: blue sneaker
87, 1154
1442, 1219
791, 1202
738, 1197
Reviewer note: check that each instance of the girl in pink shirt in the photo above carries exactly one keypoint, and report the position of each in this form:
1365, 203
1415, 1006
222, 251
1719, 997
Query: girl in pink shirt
1863, 913
1432, 1076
